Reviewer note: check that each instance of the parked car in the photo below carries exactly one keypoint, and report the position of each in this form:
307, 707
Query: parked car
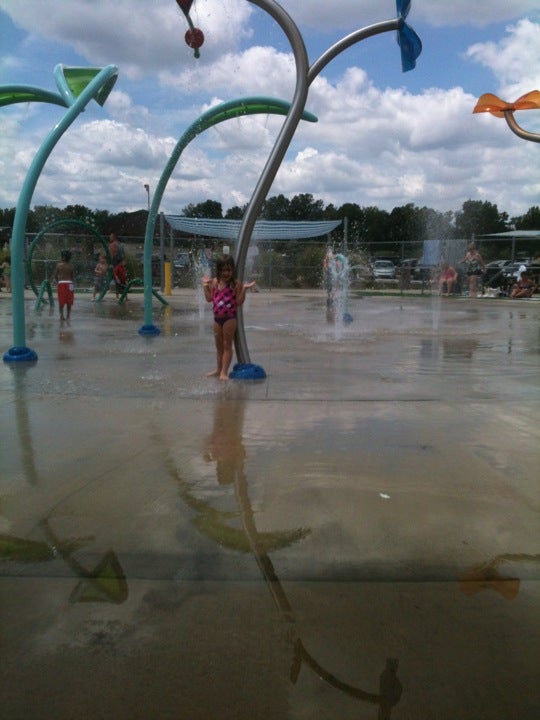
360, 272
394, 259
384, 269
423, 272
182, 261
409, 263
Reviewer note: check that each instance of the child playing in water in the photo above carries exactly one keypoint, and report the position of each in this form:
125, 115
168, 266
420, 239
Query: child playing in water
120, 277
100, 276
226, 293
65, 276
6, 273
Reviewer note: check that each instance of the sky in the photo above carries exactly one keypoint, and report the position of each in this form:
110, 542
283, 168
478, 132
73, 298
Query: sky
384, 138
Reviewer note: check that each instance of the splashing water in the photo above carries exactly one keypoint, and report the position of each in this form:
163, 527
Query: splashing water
202, 267
336, 282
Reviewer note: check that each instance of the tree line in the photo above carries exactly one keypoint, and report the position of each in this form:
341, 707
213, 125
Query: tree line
407, 225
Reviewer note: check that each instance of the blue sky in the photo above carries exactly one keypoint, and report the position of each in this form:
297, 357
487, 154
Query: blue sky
384, 138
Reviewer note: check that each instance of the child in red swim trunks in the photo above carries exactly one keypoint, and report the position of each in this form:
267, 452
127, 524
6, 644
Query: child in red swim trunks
65, 276
120, 277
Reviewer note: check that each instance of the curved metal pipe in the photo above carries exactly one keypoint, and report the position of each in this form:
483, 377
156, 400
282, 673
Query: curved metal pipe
213, 116
304, 77
276, 156
519, 131
348, 41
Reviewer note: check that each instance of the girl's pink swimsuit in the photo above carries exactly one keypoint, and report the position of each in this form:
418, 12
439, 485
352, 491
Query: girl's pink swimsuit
224, 304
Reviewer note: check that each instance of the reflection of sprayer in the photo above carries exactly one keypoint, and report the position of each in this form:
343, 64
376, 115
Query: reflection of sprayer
389, 685
487, 576
106, 582
225, 446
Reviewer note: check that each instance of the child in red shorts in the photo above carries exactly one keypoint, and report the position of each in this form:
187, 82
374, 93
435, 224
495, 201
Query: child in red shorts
64, 276
120, 277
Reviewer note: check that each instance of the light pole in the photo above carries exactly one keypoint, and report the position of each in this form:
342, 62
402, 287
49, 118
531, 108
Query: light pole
147, 188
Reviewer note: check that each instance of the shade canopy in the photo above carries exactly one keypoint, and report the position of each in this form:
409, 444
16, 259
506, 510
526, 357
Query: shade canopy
263, 230
518, 234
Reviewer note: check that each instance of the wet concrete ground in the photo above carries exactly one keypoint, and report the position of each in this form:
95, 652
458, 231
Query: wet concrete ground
357, 536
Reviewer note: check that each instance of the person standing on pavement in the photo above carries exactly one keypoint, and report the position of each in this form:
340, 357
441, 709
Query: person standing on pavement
64, 275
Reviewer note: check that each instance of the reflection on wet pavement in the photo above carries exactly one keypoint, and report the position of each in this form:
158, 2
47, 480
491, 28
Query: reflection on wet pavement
355, 536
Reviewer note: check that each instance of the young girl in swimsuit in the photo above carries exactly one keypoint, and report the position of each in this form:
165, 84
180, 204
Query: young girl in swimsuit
226, 293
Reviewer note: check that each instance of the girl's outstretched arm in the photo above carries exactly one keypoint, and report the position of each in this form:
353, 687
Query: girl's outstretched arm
240, 290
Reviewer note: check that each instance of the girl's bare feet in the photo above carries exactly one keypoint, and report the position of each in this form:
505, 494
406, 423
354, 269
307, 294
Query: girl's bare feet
214, 373
223, 377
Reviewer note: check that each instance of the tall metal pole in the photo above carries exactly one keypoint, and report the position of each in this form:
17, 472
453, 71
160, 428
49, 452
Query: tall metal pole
304, 77
276, 156
147, 188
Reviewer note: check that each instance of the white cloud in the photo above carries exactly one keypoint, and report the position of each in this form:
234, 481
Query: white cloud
257, 71
139, 36
515, 60
372, 145
323, 14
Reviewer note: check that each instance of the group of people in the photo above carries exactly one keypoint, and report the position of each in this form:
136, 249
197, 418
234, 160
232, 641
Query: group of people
224, 291
474, 266
64, 275
524, 287
118, 258
227, 293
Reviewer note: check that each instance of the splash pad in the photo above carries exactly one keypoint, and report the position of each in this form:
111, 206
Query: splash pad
294, 516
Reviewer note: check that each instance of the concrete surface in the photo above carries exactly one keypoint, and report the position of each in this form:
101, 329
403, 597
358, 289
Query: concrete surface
356, 536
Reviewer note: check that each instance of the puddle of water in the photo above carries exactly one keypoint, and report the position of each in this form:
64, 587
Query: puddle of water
357, 535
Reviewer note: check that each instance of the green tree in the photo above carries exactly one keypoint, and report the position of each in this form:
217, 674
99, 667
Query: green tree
77, 212
7, 217
436, 224
128, 224
235, 213
375, 229
102, 219
308, 265
529, 221
276, 208
331, 212
405, 225
206, 209
479, 217
41, 216
305, 207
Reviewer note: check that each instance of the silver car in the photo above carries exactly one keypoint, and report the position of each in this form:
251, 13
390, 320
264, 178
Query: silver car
384, 269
